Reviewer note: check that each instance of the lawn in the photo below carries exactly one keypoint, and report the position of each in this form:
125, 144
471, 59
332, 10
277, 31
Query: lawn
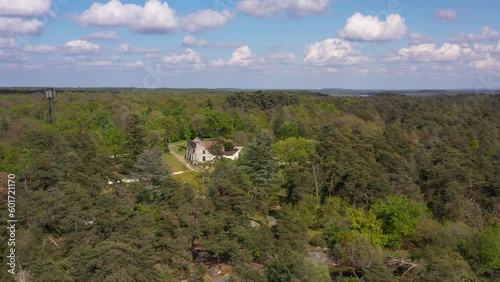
173, 163
180, 147
191, 177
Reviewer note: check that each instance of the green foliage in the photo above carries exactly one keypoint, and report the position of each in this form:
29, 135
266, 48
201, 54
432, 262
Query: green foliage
289, 266
490, 249
400, 217
152, 171
294, 150
379, 273
359, 251
4, 123
365, 223
229, 190
354, 175
259, 163
134, 141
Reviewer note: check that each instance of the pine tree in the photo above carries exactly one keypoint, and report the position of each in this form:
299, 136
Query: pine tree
260, 164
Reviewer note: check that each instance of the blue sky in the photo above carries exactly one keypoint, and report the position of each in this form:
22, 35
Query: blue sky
361, 44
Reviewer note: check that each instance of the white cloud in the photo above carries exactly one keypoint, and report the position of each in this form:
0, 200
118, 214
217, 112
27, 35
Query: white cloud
81, 47
191, 41
294, 8
486, 33
135, 65
445, 15
7, 43
487, 48
420, 38
281, 58
99, 63
19, 26
489, 63
332, 52
113, 13
24, 66
105, 35
430, 53
151, 56
189, 57
370, 28
40, 49
154, 17
127, 48
242, 57
11, 55
205, 20
25, 8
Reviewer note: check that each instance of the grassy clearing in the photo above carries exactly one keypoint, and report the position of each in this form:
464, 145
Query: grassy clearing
173, 163
191, 177
180, 147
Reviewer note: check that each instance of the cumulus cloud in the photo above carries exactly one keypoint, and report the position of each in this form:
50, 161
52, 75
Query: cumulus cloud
191, 41
12, 26
487, 64
242, 57
25, 8
127, 48
486, 33
135, 65
154, 17
105, 35
370, 28
430, 53
420, 38
445, 15
113, 13
294, 8
205, 20
487, 48
7, 43
81, 47
189, 57
332, 52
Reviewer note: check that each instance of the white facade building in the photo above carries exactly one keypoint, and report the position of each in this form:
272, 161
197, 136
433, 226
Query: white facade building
200, 151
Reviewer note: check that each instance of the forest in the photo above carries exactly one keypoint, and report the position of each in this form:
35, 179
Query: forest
382, 188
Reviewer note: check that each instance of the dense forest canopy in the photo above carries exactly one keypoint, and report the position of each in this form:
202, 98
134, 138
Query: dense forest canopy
381, 188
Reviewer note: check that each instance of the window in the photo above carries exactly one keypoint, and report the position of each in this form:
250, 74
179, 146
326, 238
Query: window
203, 157
203, 152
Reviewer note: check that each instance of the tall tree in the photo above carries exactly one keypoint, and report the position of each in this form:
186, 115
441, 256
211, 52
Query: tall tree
152, 170
261, 165
134, 141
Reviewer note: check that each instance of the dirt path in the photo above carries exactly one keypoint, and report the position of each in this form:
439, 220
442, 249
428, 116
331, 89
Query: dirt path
181, 158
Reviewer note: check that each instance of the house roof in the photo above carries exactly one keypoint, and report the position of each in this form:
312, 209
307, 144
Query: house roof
208, 144
232, 152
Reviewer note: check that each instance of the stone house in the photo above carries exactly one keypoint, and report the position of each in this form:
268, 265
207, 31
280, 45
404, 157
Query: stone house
200, 151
